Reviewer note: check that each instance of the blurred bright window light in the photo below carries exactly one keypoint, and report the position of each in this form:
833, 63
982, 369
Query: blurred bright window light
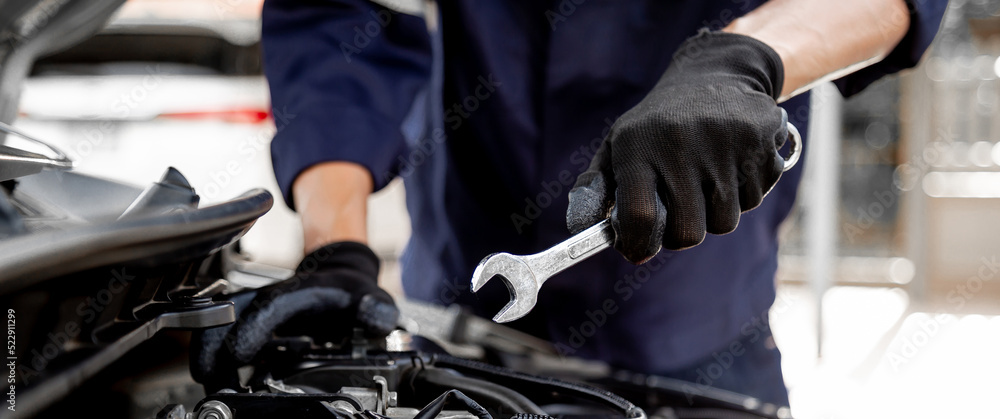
962, 184
191, 9
979, 153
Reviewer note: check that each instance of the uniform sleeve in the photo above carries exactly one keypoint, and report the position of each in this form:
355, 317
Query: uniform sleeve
343, 75
925, 19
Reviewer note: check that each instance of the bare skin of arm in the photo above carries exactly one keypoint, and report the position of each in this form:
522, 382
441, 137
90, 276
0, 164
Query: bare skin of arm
816, 39
820, 40
332, 200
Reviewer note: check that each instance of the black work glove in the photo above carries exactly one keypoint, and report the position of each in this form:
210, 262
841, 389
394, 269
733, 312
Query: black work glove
334, 290
699, 149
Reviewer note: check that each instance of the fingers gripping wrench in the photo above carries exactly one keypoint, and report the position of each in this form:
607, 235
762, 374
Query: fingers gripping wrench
524, 275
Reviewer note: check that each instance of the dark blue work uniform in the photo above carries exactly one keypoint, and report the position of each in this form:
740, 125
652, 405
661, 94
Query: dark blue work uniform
489, 111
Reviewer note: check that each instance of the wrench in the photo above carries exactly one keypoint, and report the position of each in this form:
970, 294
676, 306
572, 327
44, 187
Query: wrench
524, 275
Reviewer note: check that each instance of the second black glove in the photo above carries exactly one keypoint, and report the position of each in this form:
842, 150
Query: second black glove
333, 291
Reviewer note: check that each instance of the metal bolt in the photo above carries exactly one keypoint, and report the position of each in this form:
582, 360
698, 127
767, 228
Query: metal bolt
214, 409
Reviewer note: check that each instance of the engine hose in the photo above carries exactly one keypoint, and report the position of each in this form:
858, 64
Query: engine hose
487, 392
434, 407
494, 374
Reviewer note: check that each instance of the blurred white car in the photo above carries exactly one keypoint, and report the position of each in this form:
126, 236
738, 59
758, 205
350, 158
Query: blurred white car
179, 83
168, 84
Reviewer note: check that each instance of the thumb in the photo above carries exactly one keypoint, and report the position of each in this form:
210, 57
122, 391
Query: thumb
590, 200
781, 136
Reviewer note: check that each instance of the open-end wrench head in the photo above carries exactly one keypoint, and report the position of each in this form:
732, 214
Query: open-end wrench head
518, 278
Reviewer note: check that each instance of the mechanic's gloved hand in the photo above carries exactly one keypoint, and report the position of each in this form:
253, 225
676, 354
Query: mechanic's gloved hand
699, 149
333, 291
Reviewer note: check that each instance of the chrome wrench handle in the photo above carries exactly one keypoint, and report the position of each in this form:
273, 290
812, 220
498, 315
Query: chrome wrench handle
524, 275
581, 246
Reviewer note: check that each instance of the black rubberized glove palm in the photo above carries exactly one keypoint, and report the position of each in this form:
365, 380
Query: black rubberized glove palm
333, 291
698, 150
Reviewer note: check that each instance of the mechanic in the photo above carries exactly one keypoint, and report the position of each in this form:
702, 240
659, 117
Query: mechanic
664, 115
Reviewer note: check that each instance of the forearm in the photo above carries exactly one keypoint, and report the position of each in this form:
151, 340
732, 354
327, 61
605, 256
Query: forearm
332, 200
821, 39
